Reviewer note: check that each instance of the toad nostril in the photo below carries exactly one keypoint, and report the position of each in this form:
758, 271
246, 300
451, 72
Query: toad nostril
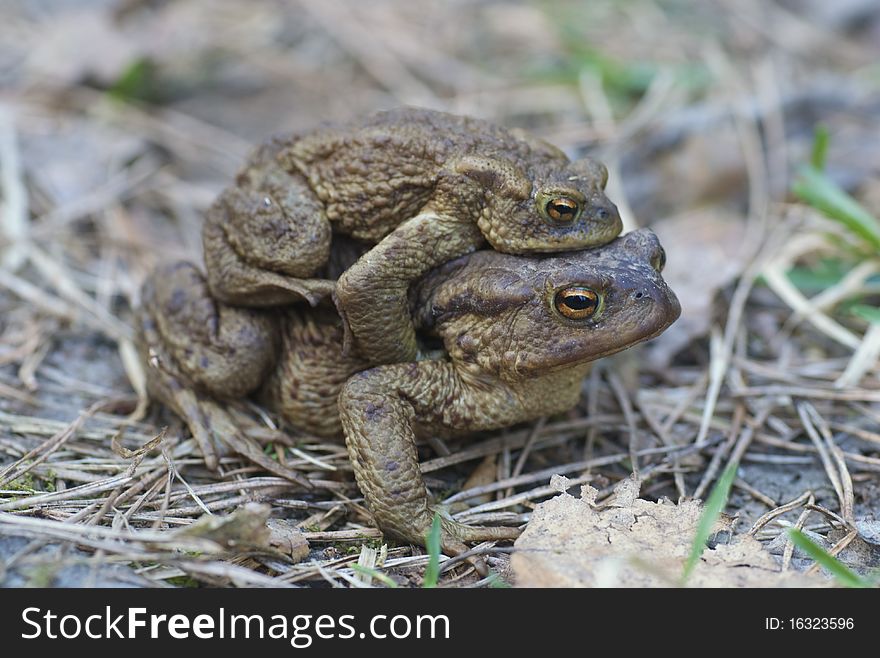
639, 295
602, 214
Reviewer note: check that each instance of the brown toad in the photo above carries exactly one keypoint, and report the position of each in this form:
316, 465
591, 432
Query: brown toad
423, 187
519, 334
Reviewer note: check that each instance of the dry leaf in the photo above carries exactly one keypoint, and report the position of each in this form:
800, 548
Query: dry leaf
635, 543
287, 537
245, 527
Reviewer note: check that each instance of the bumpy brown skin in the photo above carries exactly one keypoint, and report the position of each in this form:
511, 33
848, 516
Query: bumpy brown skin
424, 187
199, 350
510, 356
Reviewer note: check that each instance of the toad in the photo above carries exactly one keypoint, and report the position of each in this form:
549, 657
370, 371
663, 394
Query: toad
417, 186
518, 332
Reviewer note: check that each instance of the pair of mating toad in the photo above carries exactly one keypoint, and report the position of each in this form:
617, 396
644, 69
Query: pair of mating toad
383, 217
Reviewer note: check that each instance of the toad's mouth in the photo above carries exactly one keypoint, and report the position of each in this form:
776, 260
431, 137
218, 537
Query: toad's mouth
595, 234
659, 318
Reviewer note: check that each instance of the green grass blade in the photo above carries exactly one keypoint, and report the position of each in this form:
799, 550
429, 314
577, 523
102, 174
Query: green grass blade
868, 313
711, 511
837, 569
820, 275
138, 82
496, 582
432, 543
816, 189
383, 578
820, 147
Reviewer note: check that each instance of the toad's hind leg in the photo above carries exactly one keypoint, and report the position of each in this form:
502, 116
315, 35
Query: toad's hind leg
200, 352
266, 236
380, 409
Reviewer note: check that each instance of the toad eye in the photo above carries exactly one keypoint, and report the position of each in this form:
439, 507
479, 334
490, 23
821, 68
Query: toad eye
577, 303
658, 262
561, 209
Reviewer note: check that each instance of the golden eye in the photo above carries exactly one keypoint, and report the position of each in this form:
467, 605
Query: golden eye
562, 209
577, 303
658, 262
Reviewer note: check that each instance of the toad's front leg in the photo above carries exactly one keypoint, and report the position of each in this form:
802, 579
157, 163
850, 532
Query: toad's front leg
380, 409
372, 294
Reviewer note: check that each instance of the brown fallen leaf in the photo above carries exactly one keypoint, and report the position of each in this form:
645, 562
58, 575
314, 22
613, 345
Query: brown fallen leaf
244, 528
286, 537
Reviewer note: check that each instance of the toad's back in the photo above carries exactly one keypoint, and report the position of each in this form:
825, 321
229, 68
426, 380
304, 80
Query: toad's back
421, 187
371, 173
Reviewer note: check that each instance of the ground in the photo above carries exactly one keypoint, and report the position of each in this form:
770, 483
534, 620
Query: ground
121, 120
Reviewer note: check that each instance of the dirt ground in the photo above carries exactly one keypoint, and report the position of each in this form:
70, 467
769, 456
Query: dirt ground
121, 120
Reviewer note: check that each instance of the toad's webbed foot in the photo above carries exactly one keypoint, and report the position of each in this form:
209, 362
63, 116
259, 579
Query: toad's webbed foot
213, 427
454, 535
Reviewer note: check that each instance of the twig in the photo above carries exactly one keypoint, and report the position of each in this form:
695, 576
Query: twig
789, 545
767, 517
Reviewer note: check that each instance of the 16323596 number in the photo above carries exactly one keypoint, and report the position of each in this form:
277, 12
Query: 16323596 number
821, 623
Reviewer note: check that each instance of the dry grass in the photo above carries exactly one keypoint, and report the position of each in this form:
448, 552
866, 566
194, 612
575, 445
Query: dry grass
97, 189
